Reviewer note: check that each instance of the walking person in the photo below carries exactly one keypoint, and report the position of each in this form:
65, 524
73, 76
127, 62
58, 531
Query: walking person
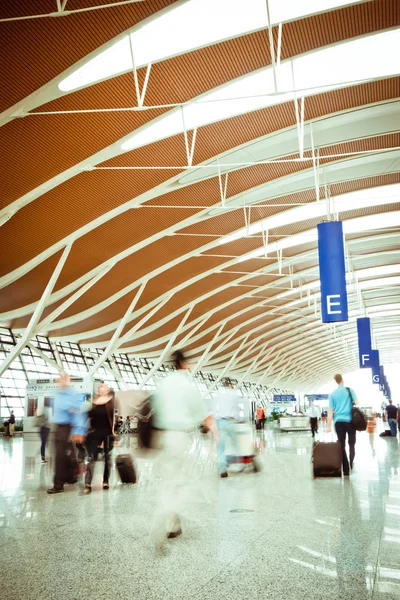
44, 424
340, 404
226, 415
313, 413
391, 412
11, 424
70, 427
179, 409
101, 433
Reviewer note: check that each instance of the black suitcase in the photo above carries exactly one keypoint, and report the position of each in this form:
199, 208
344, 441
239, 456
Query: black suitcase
126, 469
327, 459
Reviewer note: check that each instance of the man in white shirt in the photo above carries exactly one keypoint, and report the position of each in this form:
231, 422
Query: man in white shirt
227, 414
314, 414
179, 408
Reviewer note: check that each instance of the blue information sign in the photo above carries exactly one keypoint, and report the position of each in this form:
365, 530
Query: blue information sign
316, 397
364, 342
284, 398
376, 374
332, 272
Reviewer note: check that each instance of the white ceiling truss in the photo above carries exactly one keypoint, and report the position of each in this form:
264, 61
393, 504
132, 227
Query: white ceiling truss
283, 345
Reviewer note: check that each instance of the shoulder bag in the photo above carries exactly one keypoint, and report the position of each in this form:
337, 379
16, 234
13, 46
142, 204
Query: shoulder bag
358, 419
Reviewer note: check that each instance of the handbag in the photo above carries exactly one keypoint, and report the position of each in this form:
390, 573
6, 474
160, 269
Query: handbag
358, 419
40, 421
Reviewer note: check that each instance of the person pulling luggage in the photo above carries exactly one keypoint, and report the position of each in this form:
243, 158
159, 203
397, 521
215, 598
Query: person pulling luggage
70, 427
101, 433
227, 415
340, 406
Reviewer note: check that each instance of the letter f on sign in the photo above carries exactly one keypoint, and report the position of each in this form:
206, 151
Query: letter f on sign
364, 358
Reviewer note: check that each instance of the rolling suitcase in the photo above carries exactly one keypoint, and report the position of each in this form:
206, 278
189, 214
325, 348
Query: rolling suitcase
125, 468
327, 459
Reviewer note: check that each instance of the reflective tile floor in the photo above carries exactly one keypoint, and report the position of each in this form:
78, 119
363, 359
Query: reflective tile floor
276, 534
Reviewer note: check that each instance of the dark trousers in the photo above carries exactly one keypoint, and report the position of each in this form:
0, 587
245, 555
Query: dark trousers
93, 441
314, 425
343, 428
66, 465
44, 434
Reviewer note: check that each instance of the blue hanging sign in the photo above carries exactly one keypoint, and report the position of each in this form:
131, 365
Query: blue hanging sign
316, 397
284, 398
332, 272
381, 379
376, 374
364, 342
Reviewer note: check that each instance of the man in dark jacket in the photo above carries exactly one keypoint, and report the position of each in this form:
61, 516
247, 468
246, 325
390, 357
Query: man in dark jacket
11, 424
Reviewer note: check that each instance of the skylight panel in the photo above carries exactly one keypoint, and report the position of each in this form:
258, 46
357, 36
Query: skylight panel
187, 26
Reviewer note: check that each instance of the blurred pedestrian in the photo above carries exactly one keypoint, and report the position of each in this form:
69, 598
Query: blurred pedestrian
101, 433
179, 409
391, 415
11, 424
227, 415
70, 428
43, 421
313, 413
340, 405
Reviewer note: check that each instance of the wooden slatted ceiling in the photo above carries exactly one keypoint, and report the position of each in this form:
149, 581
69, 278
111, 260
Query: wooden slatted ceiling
31, 141
35, 51
29, 288
104, 190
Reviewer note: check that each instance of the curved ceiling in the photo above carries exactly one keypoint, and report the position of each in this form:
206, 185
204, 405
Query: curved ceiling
189, 192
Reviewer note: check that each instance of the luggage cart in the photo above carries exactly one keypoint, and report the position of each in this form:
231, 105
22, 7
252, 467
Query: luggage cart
245, 453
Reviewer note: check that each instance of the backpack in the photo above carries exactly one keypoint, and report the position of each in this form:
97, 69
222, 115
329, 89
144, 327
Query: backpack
358, 419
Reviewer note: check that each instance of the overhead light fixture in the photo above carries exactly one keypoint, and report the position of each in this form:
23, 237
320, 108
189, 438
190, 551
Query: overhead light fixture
386, 194
188, 26
358, 225
312, 73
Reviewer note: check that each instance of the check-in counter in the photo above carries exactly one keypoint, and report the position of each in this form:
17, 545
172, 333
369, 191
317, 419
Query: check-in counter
294, 423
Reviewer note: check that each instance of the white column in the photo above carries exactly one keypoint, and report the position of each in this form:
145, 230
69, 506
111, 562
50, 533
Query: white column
114, 340
166, 349
37, 313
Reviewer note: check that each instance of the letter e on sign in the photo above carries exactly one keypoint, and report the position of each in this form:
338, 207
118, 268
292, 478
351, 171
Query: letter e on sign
330, 303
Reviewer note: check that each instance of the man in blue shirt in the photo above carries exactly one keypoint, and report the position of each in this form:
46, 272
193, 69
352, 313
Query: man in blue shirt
340, 405
70, 426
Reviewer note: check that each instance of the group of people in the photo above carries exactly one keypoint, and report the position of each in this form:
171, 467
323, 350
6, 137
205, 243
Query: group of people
178, 410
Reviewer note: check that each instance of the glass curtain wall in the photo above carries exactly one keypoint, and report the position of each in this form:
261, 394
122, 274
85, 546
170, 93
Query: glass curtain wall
40, 359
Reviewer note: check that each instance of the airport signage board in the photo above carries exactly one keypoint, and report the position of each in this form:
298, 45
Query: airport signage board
317, 397
284, 398
332, 272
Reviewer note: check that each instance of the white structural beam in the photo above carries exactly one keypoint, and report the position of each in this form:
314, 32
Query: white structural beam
44, 356
339, 123
26, 336
203, 357
227, 366
41, 327
166, 349
127, 336
114, 340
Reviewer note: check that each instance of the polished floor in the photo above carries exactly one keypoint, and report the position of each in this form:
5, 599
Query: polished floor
277, 534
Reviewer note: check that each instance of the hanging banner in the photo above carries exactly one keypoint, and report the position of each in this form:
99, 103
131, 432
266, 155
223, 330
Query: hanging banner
376, 376
332, 272
364, 342
381, 379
